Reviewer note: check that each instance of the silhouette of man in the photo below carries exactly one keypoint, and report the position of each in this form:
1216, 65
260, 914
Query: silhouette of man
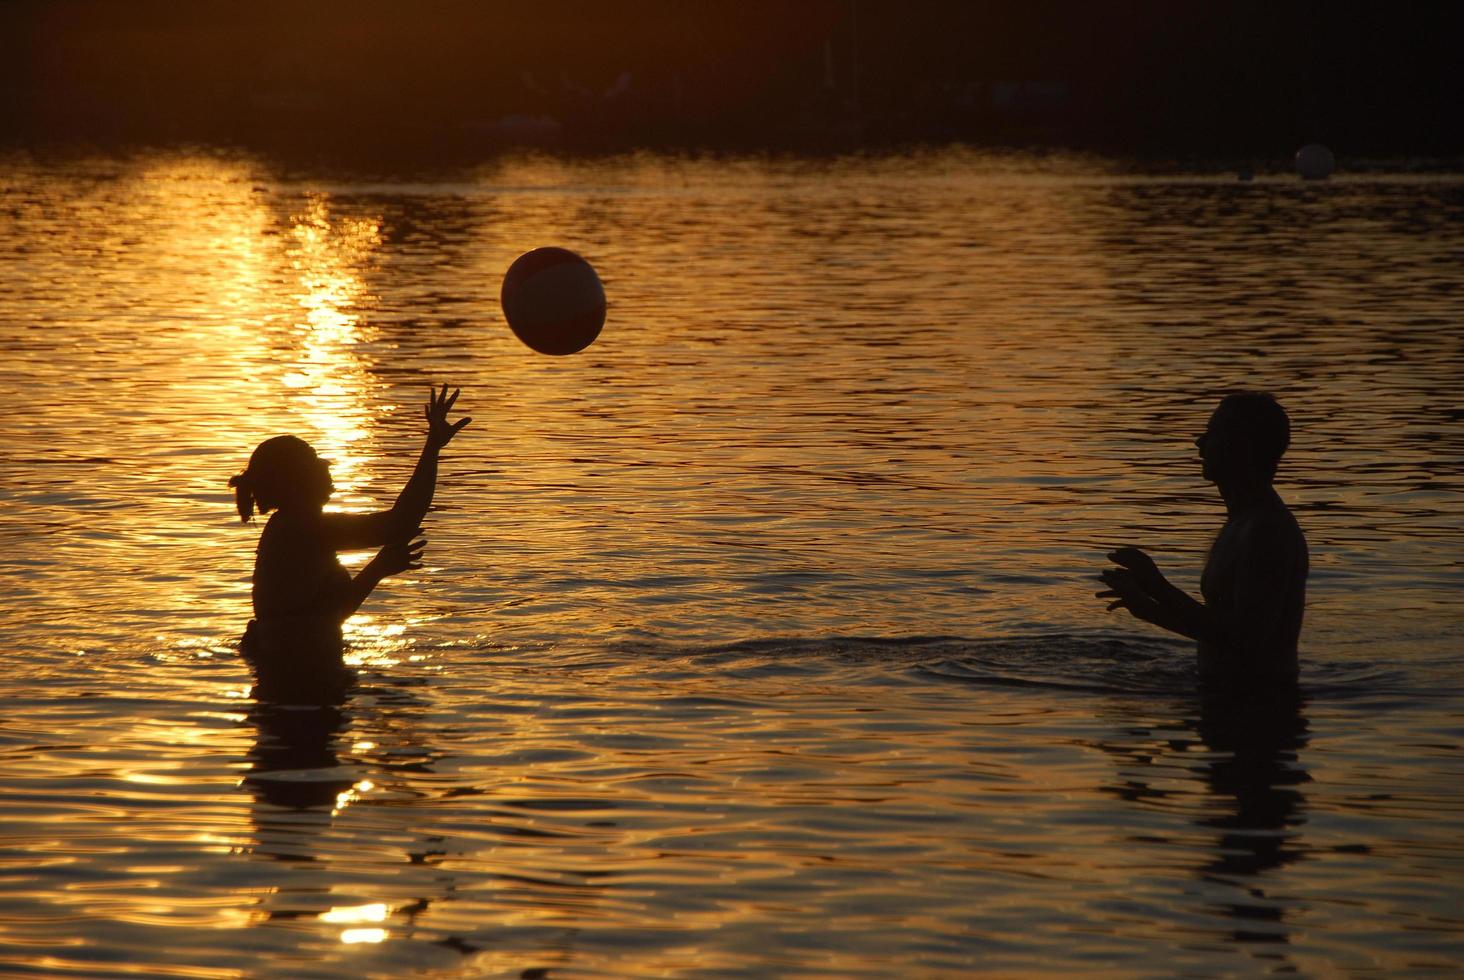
1254, 582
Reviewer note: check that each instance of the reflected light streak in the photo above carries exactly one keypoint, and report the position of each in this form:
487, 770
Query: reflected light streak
364, 935
347, 797
331, 377
192, 288
215, 309
374, 642
344, 914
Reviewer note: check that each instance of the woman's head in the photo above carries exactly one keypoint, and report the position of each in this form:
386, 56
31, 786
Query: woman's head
282, 472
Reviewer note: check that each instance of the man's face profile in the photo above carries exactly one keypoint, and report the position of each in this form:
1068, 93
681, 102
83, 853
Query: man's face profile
1217, 445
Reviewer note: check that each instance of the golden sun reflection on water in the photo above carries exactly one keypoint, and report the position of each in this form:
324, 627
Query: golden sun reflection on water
353, 795
828, 404
374, 912
217, 312
330, 379
270, 296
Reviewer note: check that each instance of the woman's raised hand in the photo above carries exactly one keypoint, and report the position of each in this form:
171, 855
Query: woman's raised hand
439, 430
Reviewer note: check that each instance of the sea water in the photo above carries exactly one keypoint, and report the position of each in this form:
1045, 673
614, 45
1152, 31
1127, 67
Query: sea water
759, 638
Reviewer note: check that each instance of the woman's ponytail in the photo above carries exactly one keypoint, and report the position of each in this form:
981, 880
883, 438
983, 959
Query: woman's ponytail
277, 469
243, 495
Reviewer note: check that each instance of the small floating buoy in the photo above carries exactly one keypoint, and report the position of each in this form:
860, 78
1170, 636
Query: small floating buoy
1315, 162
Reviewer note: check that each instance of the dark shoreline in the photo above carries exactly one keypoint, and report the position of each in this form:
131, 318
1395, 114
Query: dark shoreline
380, 81
297, 163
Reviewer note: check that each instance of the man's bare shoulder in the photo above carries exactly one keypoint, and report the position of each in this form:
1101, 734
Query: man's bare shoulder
1273, 520
1268, 535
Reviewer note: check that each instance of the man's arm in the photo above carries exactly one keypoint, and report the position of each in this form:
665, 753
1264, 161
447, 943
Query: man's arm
1138, 586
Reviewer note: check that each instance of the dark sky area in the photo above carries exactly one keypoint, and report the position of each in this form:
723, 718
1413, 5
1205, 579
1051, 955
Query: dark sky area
438, 79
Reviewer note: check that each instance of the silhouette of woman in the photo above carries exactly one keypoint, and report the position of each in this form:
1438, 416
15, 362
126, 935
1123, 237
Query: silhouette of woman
301, 592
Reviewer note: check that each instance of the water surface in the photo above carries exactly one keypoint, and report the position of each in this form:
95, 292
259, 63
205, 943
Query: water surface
758, 638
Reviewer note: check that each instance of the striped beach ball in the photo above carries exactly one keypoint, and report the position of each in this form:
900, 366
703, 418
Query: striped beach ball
553, 300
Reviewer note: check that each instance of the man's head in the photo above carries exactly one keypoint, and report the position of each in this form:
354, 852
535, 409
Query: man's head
1247, 434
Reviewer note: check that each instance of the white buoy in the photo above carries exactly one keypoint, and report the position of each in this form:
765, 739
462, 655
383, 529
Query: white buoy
1315, 162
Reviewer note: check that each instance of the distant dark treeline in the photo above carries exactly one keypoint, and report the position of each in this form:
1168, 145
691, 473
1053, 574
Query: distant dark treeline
440, 78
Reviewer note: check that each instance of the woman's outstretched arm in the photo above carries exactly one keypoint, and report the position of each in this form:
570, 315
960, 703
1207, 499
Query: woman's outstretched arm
347, 532
412, 503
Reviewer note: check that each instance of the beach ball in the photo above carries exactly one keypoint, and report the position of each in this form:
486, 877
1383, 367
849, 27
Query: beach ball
1315, 162
553, 301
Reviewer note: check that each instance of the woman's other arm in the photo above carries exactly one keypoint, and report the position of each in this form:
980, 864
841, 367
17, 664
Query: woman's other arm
392, 559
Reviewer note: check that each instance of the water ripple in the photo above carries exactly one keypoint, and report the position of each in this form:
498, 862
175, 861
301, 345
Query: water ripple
759, 638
